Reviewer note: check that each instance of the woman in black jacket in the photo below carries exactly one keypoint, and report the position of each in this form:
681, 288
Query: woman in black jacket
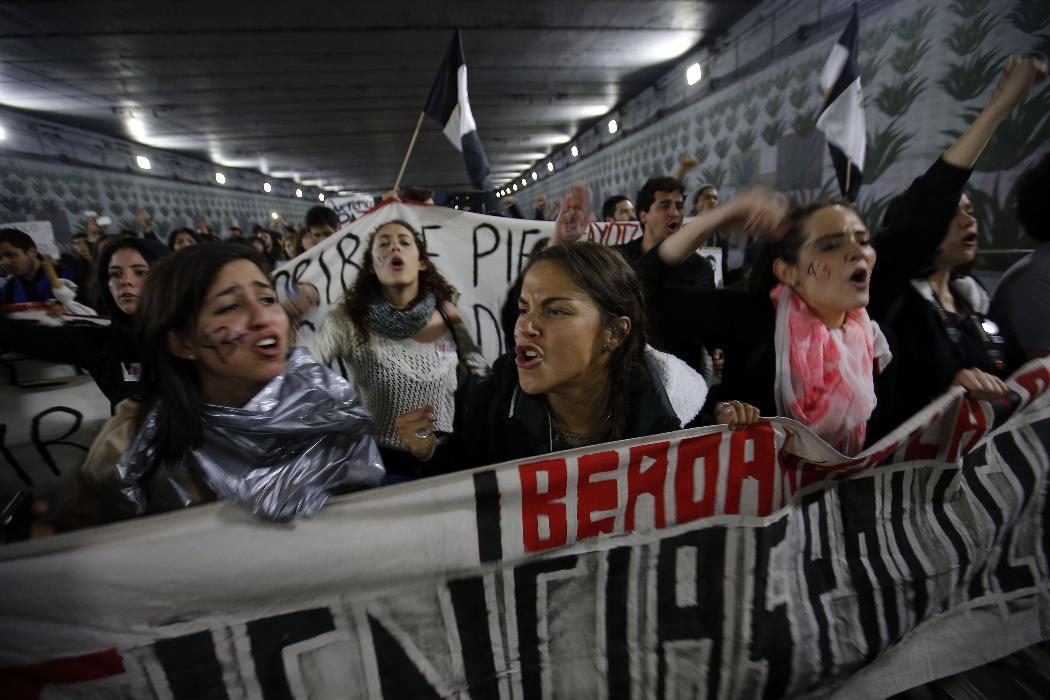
581, 372
800, 343
107, 353
923, 293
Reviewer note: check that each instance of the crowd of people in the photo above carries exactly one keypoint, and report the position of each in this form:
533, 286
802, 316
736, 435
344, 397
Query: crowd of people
846, 326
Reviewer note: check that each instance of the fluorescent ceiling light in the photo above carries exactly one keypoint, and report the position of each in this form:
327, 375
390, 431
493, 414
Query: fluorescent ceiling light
143, 162
693, 74
550, 167
298, 192
574, 151
613, 126
220, 178
267, 187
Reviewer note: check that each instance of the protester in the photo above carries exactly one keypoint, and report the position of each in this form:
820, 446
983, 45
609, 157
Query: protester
618, 208
144, 226
227, 411
182, 237
235, 232
705, 199
20, 259
574, 219
400, 333
1021, 304
107, 353
923, 293
581, 372
800, 344
322, 222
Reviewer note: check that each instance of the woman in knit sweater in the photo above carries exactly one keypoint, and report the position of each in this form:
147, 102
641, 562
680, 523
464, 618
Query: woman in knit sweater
400, 337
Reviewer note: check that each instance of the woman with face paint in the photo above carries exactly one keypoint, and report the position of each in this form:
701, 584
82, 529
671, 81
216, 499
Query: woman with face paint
108, 354
799, 343
228, 410
923, 293
403, 341
581, 372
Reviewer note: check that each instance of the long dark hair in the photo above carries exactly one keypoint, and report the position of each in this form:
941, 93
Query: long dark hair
171, 300
614, 287
367, 289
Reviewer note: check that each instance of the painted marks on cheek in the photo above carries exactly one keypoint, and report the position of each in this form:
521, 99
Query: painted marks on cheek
222, 341
819, 270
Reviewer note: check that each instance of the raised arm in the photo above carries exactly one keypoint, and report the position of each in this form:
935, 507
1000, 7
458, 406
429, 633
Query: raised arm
752, 212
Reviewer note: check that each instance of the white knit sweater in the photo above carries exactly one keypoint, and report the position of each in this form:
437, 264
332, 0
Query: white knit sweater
393, 376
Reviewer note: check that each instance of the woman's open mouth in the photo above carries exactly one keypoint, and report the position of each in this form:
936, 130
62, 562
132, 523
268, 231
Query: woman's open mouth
397, 264
859, 278
268, 347
527, 356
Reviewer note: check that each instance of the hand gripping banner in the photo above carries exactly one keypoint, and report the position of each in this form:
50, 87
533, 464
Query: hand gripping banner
702, 563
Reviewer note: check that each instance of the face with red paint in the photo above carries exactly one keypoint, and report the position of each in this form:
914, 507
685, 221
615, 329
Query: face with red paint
240, 339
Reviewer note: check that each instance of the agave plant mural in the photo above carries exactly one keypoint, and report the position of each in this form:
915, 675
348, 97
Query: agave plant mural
1030, 15
911, 27
714, 175
722, 147
965, 81
745, 140
967, 8
894, 99
1017, 138
968, 36
872, 40
800, 95
805, 121
745, 167
869, 69
773, 131
870, 209
773, 105
907, 58
751, 114
885, 146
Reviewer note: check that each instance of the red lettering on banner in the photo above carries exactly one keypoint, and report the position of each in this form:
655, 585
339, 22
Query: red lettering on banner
28, 682
594, 496
1034, 382
970, 418
547, 502
917, 449
759, 465
650, 481
691, 451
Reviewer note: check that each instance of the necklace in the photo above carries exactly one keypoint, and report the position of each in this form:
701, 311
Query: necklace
569, 438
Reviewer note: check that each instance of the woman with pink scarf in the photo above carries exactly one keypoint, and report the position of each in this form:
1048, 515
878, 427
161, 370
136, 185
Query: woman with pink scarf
799, 344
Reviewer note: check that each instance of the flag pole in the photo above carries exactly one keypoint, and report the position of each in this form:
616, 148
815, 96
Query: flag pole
849, 169
411, 145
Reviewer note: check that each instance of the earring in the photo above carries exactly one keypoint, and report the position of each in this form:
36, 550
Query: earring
606, 348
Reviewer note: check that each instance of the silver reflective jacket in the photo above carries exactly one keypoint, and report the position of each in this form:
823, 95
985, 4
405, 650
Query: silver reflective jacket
281, 455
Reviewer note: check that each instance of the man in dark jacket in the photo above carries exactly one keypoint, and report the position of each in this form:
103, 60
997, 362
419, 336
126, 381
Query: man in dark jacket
20, 259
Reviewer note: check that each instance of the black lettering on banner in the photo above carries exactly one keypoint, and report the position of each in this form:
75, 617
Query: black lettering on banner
10, 458
478, 308
770, 628
423, 232
327, 279
699, 621
860, 536
818, 572
939, 504
486, 503
521, 247
917, 574
1009, 577
528, 616
472, 623
191, 667
42, 445
980, 585
478, 255
347, 258
398, 675
618, 664
270, 635
283, 279
510, 253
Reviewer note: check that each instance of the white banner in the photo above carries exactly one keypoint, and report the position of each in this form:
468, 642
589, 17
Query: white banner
42, 233
702, 563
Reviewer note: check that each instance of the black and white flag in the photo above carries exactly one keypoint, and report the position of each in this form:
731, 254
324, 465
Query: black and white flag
842, 114
449, 105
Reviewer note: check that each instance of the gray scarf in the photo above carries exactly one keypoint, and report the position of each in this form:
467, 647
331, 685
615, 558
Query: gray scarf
398, 324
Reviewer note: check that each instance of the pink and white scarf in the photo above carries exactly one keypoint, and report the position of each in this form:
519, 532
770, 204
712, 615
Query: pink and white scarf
825, 377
